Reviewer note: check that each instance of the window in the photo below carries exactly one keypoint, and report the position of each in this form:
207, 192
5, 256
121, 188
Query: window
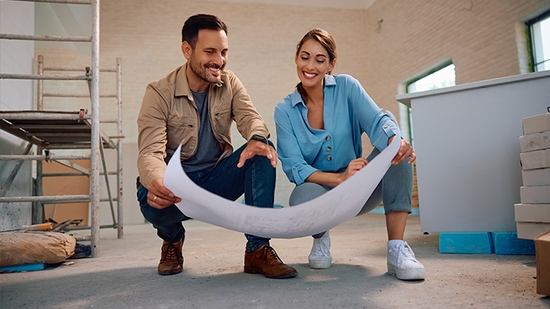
539, 36
440, 77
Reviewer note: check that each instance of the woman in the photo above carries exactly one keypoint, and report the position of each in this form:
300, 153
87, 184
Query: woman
319, 129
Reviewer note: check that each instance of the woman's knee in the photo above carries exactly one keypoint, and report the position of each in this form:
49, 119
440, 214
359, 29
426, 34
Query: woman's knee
403, 169
305, 192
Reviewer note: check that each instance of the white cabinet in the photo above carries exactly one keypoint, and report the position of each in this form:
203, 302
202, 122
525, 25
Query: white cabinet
468, 154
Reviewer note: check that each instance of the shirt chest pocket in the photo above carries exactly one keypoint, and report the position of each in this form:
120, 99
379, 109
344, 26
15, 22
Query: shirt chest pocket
177, 120
223, 120
180, 127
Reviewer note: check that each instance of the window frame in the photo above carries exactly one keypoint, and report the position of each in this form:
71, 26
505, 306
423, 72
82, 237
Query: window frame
430, 72
531, 41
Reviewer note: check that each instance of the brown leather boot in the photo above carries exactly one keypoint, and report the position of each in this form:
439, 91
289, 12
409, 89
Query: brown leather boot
171, 258
266, 262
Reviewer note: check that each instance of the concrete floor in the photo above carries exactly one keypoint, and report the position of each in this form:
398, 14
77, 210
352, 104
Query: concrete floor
124, 276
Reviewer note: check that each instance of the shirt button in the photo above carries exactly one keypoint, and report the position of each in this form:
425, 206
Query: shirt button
329, 149
327, 138
329, 158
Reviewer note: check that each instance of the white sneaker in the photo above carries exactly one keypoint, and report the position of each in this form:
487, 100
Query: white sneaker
320, 252
403, 264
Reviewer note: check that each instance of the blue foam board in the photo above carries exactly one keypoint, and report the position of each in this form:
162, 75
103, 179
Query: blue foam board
23, 267
508, 243
465, 242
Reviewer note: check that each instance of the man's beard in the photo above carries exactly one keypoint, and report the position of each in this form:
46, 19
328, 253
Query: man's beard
202, 71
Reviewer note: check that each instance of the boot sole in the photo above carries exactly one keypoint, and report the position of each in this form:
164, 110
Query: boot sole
251, 270
168, 273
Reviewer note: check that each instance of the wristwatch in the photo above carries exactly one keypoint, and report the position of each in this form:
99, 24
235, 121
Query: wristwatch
259, 138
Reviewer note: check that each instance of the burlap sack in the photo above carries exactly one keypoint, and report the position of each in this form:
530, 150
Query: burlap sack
18, 248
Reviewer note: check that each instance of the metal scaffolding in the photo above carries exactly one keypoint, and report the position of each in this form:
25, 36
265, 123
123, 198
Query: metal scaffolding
49, 130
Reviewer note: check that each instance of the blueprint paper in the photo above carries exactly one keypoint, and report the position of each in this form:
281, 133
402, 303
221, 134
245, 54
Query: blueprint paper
320, 214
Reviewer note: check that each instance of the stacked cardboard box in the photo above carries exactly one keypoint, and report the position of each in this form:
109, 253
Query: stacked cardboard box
542, 243
533, 214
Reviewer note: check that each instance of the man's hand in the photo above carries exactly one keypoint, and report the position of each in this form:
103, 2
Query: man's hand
254, 148
405, 151
159, 196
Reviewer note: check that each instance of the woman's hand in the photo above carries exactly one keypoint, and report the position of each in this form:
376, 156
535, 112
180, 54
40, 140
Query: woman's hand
353, 167
405, 151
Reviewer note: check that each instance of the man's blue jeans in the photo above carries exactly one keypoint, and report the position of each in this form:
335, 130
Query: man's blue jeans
256, 179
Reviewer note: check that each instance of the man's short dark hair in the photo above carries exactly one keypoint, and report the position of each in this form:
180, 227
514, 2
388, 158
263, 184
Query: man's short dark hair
193, 24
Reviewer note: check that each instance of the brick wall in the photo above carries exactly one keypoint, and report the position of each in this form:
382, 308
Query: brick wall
480, 37
385, 46
388, 44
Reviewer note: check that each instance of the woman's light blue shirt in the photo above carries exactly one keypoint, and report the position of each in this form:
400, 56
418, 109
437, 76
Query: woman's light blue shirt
348, 112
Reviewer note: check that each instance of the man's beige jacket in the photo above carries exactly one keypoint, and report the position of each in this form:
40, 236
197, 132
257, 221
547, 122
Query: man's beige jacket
169, 116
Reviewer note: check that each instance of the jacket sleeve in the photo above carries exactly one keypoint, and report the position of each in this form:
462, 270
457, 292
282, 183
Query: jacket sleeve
152, 136
249, 122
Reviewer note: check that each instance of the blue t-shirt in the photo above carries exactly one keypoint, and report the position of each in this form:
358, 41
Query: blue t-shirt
208, 150
348, 112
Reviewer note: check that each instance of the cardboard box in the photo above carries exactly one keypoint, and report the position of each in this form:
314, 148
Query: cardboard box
534, 195
535, 159
66, 185
535, 141
536, 124
532, 212
542, 248
530, 230
538, 177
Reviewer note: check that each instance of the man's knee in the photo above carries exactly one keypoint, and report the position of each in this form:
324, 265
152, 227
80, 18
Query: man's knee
264, 164
165, 216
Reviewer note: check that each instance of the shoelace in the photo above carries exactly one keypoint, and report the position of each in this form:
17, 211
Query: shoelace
267, 250
170, 253
407, 252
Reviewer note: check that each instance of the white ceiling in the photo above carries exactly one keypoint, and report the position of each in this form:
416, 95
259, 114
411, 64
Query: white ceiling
343, 4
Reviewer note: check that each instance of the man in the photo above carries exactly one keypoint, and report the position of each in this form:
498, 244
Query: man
196, 105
